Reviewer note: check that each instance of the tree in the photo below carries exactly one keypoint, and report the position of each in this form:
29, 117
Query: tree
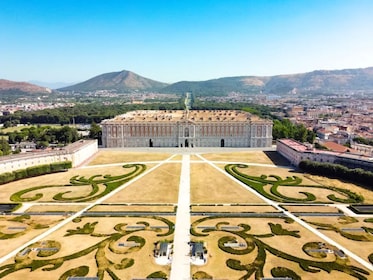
285, 129
7, 124
4, 147
67, 135
11, 137
95, 131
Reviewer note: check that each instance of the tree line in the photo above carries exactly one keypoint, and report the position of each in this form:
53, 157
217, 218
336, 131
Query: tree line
44, 135
338, 171
82, 113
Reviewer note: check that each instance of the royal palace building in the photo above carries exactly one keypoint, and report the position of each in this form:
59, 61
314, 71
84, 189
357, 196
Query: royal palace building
183, 128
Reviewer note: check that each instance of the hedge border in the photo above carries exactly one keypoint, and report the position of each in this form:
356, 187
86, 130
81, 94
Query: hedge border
34, 171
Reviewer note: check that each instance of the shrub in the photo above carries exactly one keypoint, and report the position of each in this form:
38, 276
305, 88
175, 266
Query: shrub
78, 271
125, 263
284, 272
36, 170
6, 177
158, 274
201, 275
59, 166
20, 174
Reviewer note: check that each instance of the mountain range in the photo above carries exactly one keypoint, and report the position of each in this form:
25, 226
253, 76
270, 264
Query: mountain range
320, 81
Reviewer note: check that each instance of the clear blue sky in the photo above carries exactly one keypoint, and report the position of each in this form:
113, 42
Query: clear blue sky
173, 40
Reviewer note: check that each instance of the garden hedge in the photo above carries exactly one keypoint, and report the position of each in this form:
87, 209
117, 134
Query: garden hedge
34, 171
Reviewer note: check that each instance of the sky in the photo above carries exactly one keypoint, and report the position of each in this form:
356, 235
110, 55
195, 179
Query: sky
178, 40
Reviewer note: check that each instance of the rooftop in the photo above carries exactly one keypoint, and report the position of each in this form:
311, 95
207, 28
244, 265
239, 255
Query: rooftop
300, 147
196, 116
71, 148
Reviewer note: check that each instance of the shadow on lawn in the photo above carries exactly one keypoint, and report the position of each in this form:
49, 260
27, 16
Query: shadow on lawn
276, 158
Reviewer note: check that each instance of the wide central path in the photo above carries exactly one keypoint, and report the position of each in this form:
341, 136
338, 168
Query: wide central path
180, 267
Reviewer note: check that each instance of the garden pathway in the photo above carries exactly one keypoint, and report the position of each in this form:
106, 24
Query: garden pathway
180, 267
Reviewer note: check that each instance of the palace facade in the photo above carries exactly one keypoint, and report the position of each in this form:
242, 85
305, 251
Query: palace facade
183, 128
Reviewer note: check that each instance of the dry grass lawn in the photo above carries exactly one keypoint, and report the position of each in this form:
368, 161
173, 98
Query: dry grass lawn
233, 209
216, 264
61, 179
321, 194
273, 261
104, 226
133, 208
360, 248
8, 245
311, 208
249, 157
55, 208
208, 185
279, 171
367, 194
105, 157
159, 186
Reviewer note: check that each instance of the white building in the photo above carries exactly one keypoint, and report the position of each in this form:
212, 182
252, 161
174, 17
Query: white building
295, 152
178, 128
77, 153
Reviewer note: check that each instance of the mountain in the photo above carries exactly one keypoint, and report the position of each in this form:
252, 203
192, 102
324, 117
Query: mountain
320, 81
20, 88
124, 81
323, 81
